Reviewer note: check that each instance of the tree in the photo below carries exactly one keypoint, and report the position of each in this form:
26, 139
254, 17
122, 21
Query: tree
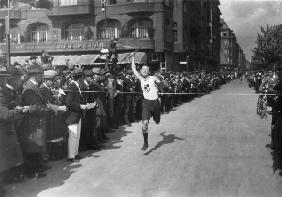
269, 47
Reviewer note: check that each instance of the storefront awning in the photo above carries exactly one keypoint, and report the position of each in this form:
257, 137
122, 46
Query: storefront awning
125, 58
60, 60
20, 59
74, 59
87, 59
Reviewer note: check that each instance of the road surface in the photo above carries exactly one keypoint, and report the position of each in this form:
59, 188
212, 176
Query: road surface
214, 145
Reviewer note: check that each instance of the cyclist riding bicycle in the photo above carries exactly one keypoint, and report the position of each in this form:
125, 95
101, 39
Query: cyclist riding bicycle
265, 99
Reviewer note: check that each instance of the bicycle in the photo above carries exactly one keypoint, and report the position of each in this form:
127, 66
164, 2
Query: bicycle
262, 106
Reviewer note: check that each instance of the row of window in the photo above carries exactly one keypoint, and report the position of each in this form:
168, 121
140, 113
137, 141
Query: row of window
109, 2
78, 32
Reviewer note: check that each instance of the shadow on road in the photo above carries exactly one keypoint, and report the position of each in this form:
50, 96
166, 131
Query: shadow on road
60, 172
167, 139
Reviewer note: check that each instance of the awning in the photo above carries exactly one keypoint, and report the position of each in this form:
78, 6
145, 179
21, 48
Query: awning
74, 59
60, 60
87, 59
125, 58
19, 59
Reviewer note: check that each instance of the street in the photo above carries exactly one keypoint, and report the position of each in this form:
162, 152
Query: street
214, 145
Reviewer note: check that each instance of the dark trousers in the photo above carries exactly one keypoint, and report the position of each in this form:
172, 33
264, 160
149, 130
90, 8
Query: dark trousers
128, 108
32, 162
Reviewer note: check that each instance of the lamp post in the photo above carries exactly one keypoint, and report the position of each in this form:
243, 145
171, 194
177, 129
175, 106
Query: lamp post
104, 9
7, 35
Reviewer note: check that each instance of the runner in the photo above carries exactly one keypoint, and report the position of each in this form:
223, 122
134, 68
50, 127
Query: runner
151, 103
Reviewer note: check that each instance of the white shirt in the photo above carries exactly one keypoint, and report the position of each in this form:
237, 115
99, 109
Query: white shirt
149, 88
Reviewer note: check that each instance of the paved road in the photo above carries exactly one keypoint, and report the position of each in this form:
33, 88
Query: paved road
214, 145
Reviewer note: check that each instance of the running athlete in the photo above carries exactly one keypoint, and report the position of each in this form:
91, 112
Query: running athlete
151, 104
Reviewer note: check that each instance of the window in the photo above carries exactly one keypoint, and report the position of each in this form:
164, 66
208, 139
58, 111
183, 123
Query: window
223, 34
175, 26
112, 30
39, 33
67, 2
175, 38
142, 29
74, 32
112, 2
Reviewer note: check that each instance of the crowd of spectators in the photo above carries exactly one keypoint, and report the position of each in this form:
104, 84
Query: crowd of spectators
40, 104
268, 84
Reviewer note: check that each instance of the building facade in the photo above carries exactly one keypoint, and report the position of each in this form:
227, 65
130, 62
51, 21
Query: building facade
164, 32
231, 54
84, 27
197, 34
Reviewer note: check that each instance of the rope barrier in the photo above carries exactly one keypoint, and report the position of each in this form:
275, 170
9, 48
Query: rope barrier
179, 93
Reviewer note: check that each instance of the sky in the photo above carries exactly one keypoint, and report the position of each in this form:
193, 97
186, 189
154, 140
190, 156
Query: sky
246, 17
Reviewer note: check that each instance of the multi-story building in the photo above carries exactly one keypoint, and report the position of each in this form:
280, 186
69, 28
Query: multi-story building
79, 29
231, 54
197, 34
165, 32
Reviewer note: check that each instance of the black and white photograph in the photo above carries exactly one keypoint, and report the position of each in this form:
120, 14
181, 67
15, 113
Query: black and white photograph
140, 98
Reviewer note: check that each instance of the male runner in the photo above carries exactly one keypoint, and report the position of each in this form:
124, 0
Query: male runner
151, 104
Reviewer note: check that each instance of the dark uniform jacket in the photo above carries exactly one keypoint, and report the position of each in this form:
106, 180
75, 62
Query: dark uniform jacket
73, 100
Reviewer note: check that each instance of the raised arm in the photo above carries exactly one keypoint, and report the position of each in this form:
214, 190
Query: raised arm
133, 67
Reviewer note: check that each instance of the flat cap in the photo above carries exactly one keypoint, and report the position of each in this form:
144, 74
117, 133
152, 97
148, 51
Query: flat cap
34, 68
96, 70
88, 73
33, 57
49, 74
14, 72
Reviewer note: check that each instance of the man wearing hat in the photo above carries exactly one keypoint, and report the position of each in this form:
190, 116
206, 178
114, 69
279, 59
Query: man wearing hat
34, 123
10, 153
76, 107
56, 128
98, 85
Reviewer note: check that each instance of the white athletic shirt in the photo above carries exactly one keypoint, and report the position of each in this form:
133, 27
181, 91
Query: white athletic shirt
149, 88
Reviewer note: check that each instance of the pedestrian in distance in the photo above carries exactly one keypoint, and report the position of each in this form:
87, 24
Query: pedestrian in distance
151, 104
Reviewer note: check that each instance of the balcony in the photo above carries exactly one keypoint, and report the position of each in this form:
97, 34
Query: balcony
130, 43
70, 10
14, 14
131, 8
77, 46
139, 7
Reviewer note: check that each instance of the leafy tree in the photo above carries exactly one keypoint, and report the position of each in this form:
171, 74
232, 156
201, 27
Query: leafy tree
269, 47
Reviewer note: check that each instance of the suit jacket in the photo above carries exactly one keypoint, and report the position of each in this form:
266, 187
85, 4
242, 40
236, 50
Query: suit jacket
56, 127
34, 124
73, 100
9, 150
